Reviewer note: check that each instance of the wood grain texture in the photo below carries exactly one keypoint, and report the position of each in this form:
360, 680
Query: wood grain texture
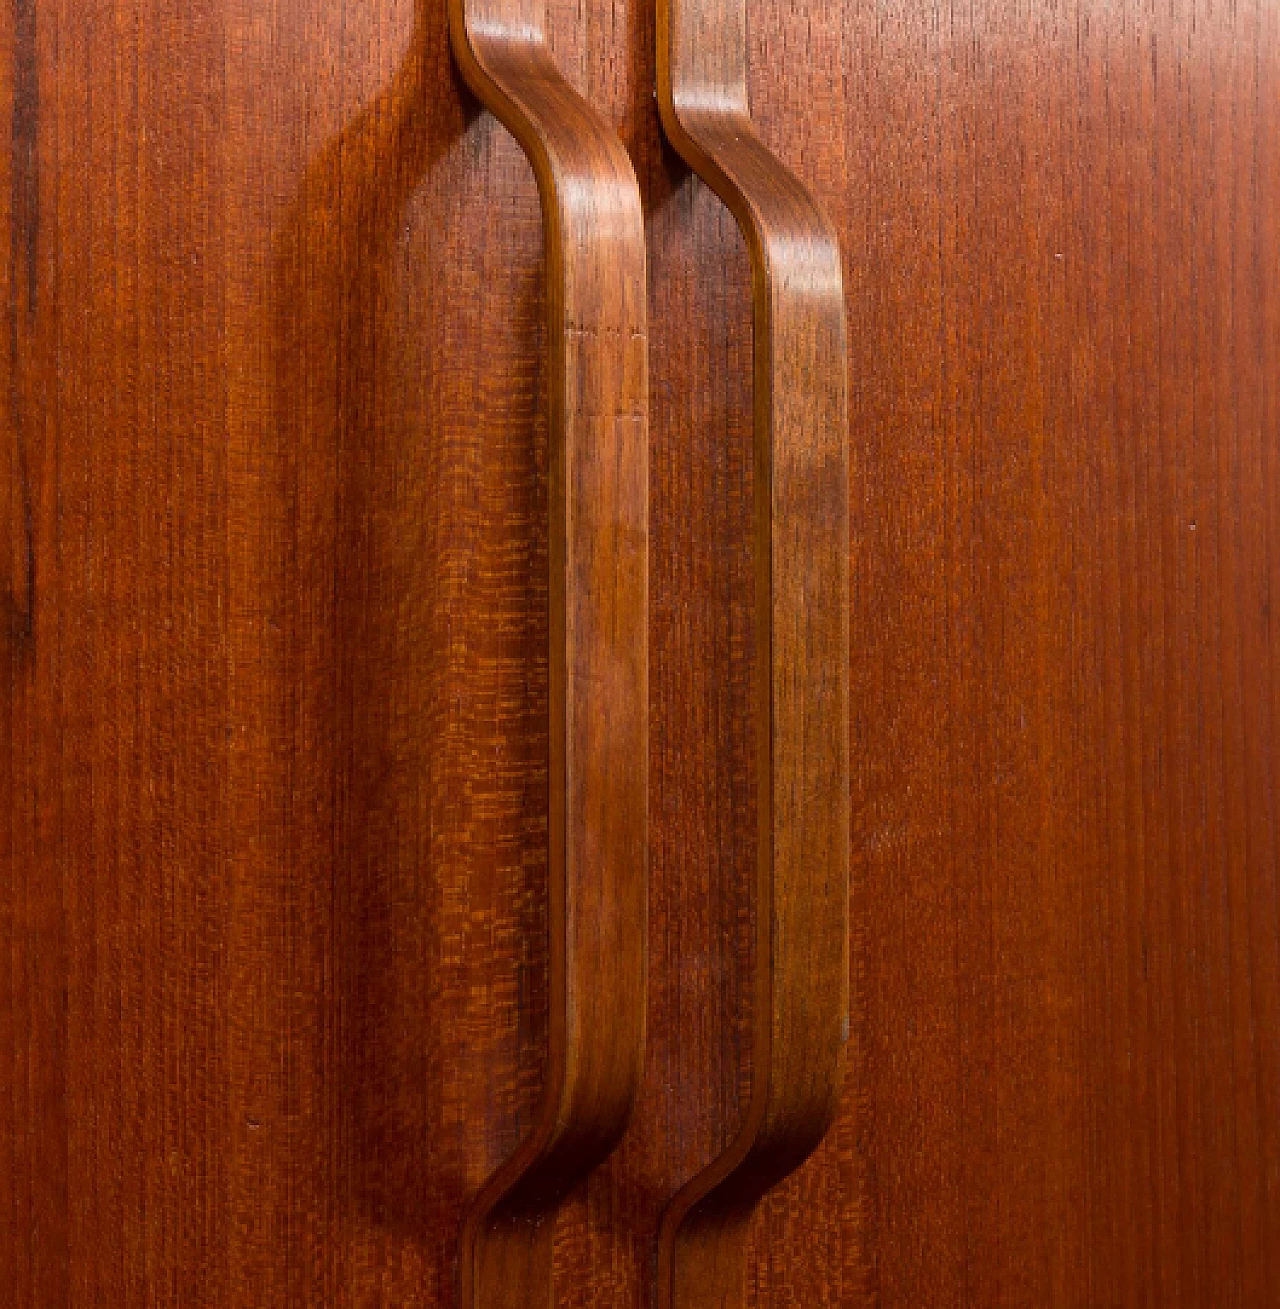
598, 551
273, 759
799, 999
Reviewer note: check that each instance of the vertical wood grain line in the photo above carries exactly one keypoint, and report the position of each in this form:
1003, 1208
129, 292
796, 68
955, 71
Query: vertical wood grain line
24, 225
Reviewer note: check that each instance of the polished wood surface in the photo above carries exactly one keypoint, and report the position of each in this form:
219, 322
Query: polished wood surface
274, 710
598, 485
798, 1024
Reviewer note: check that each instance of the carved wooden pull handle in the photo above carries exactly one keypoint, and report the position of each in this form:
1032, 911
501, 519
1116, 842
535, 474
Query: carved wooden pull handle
799, 1023
598, 498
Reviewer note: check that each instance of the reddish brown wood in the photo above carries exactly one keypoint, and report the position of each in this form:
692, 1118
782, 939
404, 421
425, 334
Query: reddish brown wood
273, 762
598, 548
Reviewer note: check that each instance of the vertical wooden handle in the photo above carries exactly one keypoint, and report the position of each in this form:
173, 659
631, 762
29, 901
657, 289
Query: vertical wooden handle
598, 499
800, 1018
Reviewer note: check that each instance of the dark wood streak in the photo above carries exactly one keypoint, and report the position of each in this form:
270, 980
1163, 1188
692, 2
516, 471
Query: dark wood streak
800, 1021
25, 185
598, 491
24, 226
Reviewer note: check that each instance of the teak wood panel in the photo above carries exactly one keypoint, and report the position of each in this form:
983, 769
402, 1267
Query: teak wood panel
274, 705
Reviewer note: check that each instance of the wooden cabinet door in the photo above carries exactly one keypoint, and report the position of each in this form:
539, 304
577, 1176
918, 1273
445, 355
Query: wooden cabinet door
274, 674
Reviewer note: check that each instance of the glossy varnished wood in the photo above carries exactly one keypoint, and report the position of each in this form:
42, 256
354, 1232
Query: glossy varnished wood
799, 998
598, 544
273, 750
